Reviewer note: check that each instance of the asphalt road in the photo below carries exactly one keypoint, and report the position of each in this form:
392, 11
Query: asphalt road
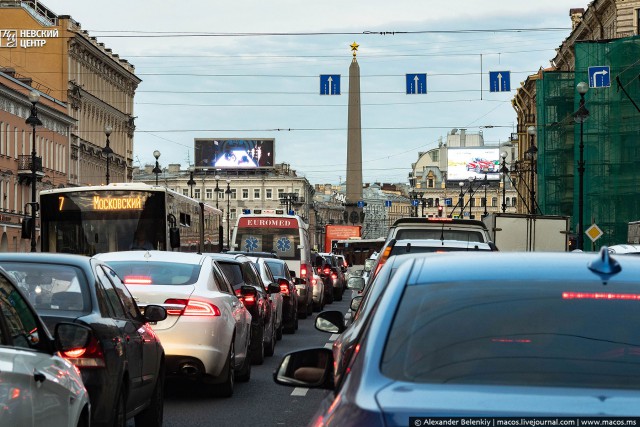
260, 401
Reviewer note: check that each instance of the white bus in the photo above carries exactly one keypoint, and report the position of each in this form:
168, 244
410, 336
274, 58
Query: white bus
107, 218
269, 230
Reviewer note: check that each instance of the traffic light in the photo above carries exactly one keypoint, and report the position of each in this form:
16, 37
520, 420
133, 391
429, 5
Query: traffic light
440, 209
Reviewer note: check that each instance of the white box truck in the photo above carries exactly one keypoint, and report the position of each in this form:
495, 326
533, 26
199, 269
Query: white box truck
522, 232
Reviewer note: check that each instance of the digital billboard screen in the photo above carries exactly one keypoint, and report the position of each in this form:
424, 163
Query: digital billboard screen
234, 153
473, 162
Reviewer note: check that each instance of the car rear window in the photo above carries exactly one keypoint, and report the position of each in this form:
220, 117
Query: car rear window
276, 268
416, 249
535, 334
51, 286
439, 234
156, 273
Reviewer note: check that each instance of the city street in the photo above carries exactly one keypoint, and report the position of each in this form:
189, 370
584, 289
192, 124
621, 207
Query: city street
260, 400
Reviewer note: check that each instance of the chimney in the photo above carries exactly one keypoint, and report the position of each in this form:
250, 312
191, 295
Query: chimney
576, 17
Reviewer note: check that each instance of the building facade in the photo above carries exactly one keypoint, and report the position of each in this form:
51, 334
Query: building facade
97, 86
16, 145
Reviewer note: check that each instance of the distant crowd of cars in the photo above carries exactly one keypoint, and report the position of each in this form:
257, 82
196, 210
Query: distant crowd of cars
443, 325
91, 340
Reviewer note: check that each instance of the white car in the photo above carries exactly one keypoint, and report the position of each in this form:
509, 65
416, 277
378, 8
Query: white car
318, 292
207, 331
37, 386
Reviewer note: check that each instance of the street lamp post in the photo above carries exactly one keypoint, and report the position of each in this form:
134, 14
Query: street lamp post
228, 193
217, 190
485, 184
33, 121
580, 117
107, 151
531, 154
191, 182
157, 169
504, 170
461, 198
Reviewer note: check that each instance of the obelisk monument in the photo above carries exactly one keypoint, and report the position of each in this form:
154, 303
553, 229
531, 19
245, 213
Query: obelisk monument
354, 142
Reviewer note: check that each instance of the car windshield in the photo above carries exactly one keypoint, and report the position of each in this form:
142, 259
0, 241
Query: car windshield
542, 334
156, 273
439, 233
51, 286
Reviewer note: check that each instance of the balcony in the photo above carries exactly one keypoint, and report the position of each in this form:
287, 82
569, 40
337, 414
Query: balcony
24, 168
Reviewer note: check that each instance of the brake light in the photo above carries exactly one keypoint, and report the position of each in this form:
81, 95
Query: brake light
90, 356
137, 280
248, 299
187, 307
334, 276
303, 271
327, 270
284, 289
599, 295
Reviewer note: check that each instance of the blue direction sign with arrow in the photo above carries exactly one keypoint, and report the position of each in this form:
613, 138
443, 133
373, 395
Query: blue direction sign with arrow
387, 203
416, 84
599, 76
499, 81
329, 84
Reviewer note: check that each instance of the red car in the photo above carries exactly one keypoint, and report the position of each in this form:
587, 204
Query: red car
481, 165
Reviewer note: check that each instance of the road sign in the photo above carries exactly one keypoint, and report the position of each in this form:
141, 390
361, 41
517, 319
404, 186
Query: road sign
361, 204
448, 201
499, 81
416, 84
329, 84
415, 202
599, 76
594, 232
387, 203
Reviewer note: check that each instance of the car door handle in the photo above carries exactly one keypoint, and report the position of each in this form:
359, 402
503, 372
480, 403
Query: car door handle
39, 377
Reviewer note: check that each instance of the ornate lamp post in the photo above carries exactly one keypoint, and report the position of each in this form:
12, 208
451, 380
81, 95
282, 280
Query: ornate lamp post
504, 171
157, 169
191, 182
581, 116
531, 154
33, 121
217, 190
461, 199
228, 193
107, 151
485, 184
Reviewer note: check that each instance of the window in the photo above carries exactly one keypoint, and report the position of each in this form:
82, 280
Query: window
513, 201
430, 183
637, 21
22, 325
209, 193
185, 192
125, 296
233, 194
268, 193
483, 202
256, 194
196, 193
232, 213
494, 201
112, 296
280, 193
245, 193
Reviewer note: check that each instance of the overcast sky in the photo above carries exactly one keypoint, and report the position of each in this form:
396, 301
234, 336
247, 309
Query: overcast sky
202, 79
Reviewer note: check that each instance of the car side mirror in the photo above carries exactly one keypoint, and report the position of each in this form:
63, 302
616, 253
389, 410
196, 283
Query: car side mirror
273, 288
154, 313
330, 321
293, 273
311, 368
355, 283
355, 303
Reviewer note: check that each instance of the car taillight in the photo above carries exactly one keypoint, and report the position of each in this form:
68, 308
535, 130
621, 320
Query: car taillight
137, 280
334, 276
327, 271
303, 271
186, 307
246, 298
90, 356
284, 289
384, 256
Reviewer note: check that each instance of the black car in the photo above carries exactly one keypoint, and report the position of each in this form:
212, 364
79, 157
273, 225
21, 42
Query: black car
248, 286
282, 274
123, 365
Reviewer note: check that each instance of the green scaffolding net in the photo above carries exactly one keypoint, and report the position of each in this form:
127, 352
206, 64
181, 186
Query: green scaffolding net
610, 135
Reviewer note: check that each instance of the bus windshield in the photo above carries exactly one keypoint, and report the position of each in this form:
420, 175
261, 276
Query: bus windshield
284, 242
93, 222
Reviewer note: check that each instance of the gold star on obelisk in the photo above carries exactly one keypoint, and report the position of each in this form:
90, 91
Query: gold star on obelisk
354, 48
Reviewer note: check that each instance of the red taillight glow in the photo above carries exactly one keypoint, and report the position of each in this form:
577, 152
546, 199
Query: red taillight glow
284, 289
334, 276
303, 271
327, 271
192, 308
249, 299
511, 340
90, 356
15, 393
600, 295
137, 280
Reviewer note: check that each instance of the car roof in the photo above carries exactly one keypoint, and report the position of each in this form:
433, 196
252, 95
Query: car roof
46, 257
439, 221
254, 254
227, 257
153, 255
624, 249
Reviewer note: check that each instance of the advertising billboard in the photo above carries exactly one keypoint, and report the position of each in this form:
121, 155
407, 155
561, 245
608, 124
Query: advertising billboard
473, 162
234, 153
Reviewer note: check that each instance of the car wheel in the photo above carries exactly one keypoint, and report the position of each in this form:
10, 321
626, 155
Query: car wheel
154, 414
302, 312
317, 306
257, 355
279, 331
225, 388
310, 307
119, 416
329, 296
337, 295
296, 324
270, 347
